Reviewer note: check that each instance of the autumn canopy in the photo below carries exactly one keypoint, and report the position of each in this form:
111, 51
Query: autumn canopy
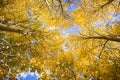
61, 39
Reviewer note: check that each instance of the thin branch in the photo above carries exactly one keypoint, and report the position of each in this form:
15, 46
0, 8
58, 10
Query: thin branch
103, 47
115, 39
109, 2
48, 5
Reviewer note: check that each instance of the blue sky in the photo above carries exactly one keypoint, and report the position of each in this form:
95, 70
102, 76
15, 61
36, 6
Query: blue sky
72, 8
28, 75
72, 30
112, 22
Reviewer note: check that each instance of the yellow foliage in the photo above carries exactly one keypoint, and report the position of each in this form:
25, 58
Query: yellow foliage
92, 52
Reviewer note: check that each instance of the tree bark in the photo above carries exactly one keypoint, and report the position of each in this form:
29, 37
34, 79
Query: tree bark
115, 39
4, 27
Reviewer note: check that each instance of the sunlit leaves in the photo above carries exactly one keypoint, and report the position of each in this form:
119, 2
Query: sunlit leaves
44, 48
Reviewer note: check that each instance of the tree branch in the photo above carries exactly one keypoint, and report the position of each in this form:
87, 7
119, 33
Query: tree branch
115, 39
110, 1
102, 6
4, 27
